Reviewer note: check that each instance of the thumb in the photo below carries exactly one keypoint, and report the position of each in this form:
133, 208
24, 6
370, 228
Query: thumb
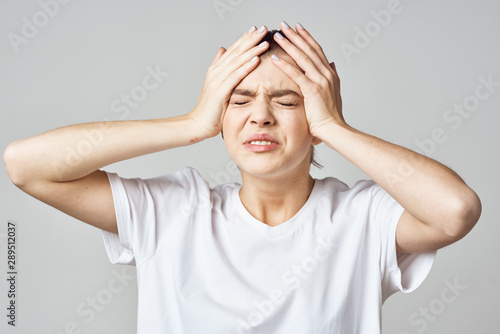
219, 54
334, 68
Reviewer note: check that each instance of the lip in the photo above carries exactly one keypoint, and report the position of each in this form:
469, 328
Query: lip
261, 137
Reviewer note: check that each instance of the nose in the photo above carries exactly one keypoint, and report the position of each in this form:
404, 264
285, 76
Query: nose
261, 115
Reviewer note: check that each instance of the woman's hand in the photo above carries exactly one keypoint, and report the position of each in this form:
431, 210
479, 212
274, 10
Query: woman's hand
226, 72
320, 84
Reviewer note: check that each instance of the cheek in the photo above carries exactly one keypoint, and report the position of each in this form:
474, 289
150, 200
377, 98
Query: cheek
231, 127
227, 119
296, 124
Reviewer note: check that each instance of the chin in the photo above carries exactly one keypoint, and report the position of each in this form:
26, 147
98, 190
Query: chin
270, 165
260, 170
268, 170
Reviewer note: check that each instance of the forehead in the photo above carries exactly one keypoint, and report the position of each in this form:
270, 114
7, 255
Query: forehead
266, 76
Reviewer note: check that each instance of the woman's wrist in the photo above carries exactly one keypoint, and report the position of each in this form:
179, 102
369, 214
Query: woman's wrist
197, 129
330, 130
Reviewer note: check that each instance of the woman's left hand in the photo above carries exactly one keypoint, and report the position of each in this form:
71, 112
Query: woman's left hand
318, 80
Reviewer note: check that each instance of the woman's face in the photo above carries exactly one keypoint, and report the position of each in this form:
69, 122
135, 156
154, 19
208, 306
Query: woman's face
265, 127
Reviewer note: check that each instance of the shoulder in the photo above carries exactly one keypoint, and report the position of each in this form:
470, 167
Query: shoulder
186, 181
332, 185
184, 178
186, 175
366, 198
340, 198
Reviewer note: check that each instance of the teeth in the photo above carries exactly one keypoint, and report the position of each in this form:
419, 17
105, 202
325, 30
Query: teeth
258, 142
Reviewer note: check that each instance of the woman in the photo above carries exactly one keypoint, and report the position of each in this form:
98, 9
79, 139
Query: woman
282, 252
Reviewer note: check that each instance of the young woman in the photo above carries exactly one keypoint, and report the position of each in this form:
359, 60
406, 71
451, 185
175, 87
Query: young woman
282, 252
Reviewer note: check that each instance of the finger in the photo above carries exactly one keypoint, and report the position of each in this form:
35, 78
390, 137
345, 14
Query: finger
302, 32
248, 40
339, 98
224, 66
234, 64
219, 54
317, 56
304, 61
293, 72
238, 75
334, 68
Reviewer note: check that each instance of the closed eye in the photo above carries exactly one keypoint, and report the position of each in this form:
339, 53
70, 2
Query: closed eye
293, 104
287, 104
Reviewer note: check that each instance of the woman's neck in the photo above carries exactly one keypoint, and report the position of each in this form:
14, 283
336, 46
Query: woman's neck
275, 201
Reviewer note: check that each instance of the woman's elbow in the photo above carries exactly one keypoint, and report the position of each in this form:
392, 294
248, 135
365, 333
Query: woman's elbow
466, 214
13, 164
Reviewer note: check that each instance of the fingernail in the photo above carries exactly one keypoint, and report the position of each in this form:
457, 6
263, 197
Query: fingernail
280, 36
262, 44
275, 57
261, 30
251, 30
300, 26
254, 59
285, 25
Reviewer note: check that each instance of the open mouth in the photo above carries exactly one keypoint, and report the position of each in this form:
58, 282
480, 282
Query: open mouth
258, 142
261, 142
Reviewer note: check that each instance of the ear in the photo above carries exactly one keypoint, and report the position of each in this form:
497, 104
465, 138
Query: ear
316, 141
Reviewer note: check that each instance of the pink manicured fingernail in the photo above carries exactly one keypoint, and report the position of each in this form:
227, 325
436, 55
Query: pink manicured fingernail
251, 30
300, 26
285, 25
261, 30
263, 44
254, 59
280, 36
275, 57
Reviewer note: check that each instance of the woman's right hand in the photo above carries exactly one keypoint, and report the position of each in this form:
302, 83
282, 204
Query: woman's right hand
226, 72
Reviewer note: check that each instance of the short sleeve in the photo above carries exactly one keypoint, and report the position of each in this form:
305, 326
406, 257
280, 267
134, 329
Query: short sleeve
144, 209
399, 271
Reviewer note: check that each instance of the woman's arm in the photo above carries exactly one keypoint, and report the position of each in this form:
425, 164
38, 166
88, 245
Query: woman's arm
439, 207
61, 167
74, 151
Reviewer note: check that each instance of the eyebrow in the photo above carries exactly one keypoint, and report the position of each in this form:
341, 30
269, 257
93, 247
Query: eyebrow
275, 93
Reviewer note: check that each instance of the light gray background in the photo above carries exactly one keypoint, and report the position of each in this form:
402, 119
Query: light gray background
426, 59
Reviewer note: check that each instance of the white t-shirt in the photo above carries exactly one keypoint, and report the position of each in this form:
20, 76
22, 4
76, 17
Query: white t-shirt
206, 265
